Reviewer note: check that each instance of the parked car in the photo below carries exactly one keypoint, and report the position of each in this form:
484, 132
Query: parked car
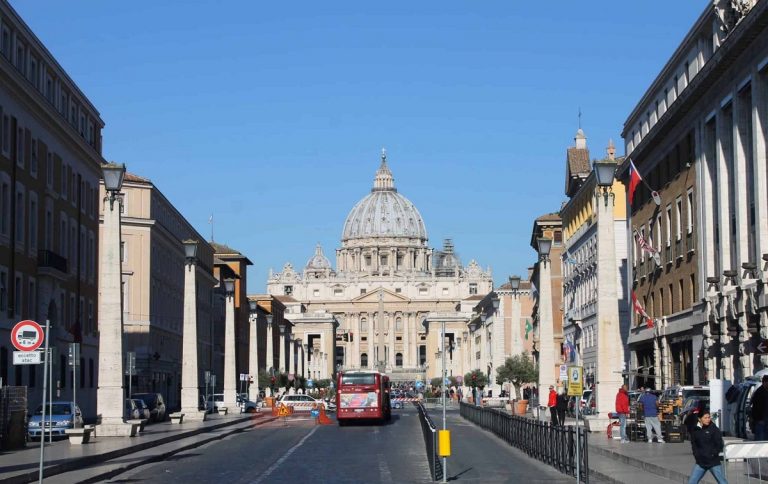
59, 416
131, 409
677, 394
143, 409
247, 406
215, 401
156, 405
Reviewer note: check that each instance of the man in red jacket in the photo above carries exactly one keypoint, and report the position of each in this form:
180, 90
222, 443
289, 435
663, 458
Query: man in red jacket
552, 404
622, 409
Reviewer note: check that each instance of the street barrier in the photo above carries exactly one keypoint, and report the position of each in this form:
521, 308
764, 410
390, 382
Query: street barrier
430, 440
552, 445
745, 461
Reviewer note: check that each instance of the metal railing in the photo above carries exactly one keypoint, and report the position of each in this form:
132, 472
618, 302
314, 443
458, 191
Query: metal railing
745, 461
552, 445
430, 440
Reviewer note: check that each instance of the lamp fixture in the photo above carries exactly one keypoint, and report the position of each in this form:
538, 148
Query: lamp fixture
229, 286
252, 305
190, 250
270, 318
495, 301
113, 174
605, 172
514, 282
544, 246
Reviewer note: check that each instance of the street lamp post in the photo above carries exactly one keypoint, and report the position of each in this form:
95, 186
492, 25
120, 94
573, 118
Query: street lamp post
610, 350
109, 396
230, 376
270, 363
517, 344
281, 356
190, 384
253, 351
546, 323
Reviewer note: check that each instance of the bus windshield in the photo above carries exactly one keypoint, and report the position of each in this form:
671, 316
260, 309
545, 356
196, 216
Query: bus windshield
358, 379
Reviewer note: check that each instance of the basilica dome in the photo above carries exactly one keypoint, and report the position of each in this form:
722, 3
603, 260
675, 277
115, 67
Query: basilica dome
384, 212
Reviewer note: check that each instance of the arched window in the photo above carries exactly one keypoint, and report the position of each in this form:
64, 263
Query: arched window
363, 325
364, 360
399, 360
399, 324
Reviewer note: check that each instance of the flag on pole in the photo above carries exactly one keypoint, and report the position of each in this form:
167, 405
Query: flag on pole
641, 311
634, 180
528, 327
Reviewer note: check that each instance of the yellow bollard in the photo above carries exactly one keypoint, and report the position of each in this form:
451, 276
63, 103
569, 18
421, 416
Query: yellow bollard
444, 443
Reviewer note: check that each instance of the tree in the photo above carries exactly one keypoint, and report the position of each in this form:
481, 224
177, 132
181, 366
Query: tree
476, 379
265, 381
518, 370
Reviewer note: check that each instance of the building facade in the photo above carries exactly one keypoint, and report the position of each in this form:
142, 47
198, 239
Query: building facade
386, 282
698, 137
153, 261
50, 158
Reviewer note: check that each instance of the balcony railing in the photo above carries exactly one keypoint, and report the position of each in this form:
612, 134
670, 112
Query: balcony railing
48, 258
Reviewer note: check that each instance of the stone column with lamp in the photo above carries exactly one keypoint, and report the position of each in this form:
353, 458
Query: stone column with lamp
610, 350
281, 357
291, 369
110, 394
253, 351
190, 383
516, 347
546, 322
270, 361
230, 368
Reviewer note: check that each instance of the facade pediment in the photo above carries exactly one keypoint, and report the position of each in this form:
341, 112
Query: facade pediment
388, 296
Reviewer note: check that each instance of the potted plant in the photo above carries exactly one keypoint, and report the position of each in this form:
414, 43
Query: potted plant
518, 370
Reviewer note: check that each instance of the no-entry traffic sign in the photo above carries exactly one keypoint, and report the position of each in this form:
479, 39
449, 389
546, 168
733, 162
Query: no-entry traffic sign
27, 336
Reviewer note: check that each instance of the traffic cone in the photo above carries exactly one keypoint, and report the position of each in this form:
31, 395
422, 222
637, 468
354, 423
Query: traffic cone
323, 419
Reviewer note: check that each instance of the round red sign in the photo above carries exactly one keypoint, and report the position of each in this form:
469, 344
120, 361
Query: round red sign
27, 336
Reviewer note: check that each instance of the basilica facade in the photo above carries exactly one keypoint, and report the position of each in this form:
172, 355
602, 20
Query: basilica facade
388, 295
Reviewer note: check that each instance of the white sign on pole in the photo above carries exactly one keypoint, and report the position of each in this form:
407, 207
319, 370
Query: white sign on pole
563, 372
27, 357
243, 377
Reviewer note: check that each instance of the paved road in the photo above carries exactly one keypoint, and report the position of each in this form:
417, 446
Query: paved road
301, 451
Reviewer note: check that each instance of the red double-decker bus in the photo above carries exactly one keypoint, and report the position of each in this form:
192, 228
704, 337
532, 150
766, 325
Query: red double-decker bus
362, 395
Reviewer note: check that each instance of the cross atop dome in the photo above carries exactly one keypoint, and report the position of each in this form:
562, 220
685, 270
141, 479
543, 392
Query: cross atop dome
384, 180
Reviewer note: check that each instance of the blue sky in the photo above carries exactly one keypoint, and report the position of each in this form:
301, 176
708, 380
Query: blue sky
271, 115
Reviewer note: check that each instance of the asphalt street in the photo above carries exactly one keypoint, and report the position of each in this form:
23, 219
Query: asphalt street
300, 451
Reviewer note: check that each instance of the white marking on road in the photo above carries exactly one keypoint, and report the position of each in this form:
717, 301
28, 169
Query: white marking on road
386, 475
284, 457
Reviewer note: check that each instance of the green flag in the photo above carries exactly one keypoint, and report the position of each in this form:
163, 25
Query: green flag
528, 327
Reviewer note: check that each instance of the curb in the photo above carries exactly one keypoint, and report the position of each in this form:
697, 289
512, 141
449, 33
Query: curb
82, 462
641, 465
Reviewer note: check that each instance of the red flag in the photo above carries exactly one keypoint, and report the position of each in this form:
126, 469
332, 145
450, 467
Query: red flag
634, 180
641, 311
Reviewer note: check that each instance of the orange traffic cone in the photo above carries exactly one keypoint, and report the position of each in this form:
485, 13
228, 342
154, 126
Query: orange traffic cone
323, 419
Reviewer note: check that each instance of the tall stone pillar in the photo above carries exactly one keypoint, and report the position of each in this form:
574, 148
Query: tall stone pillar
190, 383
270, 363
390, 325
230, 368
610, 348
380, 361
546, 328
355, 360
110, 395
281, 354
515, 339
253, 358
305, 361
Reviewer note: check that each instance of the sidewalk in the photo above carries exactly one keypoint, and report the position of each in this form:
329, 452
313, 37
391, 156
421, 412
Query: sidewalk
21, 465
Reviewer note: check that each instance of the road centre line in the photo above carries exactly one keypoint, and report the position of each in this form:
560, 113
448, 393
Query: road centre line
285, 456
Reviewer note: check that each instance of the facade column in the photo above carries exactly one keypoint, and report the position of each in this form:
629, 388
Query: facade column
291, 355
391, 339
760, 162
190, 385
516, 310
355, 361
281, 356
406, 340
610, 352
546, 329
230, 365
110, 395
305, 360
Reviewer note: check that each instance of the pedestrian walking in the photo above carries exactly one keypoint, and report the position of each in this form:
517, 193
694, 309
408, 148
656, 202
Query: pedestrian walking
552, 404
707, 443
759, 416
622, 410
562, 406
651, 414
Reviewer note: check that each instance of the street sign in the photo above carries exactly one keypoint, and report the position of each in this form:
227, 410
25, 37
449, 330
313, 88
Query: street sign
762, 346
310, 383
74, 354
447, 381
243, 377
282, 411
27, 336
575, 381
563, 372
27, 357
130, 363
